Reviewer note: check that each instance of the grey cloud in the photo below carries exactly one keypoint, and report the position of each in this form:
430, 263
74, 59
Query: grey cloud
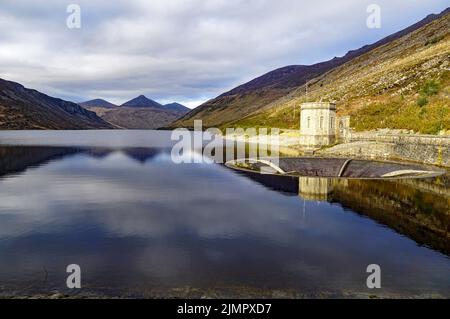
180, 50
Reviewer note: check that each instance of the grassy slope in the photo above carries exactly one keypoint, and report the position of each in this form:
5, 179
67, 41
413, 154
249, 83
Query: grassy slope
226, 109
380, 89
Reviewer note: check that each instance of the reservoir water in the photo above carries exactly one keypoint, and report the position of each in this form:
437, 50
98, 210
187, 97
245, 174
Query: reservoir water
139, 225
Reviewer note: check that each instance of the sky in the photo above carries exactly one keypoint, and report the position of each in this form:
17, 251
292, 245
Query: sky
186, 51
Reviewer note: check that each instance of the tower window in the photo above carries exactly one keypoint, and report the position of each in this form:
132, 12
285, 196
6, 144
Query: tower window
321, 122
308, 122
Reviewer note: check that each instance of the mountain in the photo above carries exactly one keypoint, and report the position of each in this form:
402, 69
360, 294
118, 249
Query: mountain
378, 81
141, 101
138, 113
97, 103
138, 117
296, 75
22, 108
176, 107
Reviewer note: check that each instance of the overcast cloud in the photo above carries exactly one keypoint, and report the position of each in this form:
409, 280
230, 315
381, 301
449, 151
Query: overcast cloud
186, 51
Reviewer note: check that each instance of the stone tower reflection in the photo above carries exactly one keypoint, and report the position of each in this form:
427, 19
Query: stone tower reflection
318, 188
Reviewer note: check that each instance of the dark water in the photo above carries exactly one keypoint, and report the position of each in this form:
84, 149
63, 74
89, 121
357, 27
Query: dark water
141, 226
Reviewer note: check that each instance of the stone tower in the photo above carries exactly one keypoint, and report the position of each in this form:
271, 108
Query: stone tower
318, 124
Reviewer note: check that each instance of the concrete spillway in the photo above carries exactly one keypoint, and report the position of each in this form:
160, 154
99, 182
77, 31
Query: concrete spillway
335, 168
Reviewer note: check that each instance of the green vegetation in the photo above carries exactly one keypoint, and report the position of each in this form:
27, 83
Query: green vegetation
433, 40
428, 119
422, 101
428, 114
440, 158
430, 88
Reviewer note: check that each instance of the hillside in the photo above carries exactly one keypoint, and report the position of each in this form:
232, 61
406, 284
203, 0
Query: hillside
401, 81
22, 108
97, 103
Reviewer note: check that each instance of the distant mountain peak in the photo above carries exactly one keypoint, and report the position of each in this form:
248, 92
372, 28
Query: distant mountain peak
142, 101
174, 106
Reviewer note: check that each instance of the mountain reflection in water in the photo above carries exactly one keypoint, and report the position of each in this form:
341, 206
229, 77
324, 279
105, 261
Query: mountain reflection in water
140, 225
417, 208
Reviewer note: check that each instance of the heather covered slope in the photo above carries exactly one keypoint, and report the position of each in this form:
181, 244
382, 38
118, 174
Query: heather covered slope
400, 82
402, 85
22, 108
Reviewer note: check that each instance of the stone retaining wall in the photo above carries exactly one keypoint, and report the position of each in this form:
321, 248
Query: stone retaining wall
418, 148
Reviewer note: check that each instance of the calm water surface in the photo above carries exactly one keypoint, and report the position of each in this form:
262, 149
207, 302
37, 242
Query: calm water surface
141, 226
